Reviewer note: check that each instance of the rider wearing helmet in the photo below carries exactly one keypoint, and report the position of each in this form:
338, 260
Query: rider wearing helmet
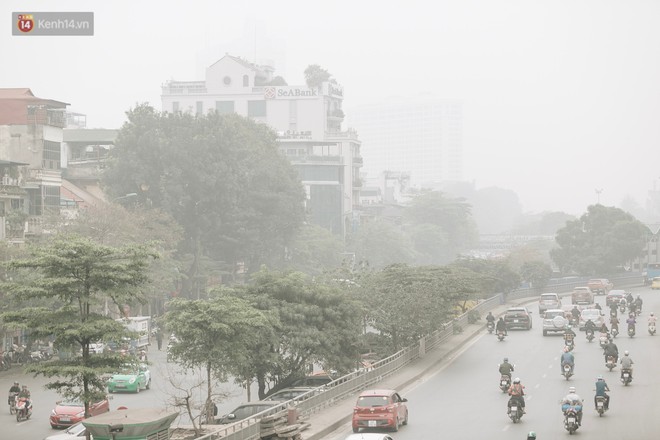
517, 392
13, 391
611, 349
652, 318
627, 363
572, 400
601, 388
25, 394
506, 367
501, 326
638, 304
567, 358
531, 435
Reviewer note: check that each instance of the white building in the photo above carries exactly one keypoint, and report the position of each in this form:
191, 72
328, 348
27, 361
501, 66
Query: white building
307, 120
422, 136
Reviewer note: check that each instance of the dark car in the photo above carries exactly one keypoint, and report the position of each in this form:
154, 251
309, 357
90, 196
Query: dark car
518, 317
246, 411
290, 393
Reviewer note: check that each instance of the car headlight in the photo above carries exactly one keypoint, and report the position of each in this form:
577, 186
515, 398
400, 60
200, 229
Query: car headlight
132, 380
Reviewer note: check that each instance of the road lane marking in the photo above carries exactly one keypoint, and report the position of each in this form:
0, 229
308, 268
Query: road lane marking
506, 428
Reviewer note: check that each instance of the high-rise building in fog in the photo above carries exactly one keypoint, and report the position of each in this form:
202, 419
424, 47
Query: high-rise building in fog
420, 135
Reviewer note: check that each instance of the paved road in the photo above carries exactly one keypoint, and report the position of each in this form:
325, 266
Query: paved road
463, 400
37, 428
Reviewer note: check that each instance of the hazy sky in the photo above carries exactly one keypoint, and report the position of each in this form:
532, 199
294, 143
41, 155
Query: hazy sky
561, 97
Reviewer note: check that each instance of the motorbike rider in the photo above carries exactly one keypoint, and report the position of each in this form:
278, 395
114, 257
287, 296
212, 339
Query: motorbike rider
517, 392
14, 390
589, 325
506, 367
638, 304
531, 435
25, 394
576, 313
572, 400
611, 349
567, 358
652, 319
613, 308
601, 388
490, 318
631, 321
629, 298
569, 334
627, 363
597, 306
614, 322
501, 326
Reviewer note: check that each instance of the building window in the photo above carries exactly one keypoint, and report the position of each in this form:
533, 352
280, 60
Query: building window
175, 106
200, 107
246, 81
52, 156
256, 109
293, 110
224, 107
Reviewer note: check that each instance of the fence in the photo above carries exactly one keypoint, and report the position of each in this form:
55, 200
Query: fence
338, 389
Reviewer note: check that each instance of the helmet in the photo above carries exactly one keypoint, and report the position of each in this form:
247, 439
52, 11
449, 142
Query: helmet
625, 353
600, 377
25, 386
571, 390
516, 380
651, 313
506, 359
531, 435
15, 383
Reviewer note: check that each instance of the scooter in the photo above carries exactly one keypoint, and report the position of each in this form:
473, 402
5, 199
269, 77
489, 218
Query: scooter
590, 335
611, 362
631, 331
626, 376
567, 371
622, 308
603, 340
501, 335
23, 410
614, 332
13, 397
490, 326
652, 328
505, 382
600, 405
568, 340
571, 419
515, 410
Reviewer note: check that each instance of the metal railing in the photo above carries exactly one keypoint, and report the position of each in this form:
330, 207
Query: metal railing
316, 400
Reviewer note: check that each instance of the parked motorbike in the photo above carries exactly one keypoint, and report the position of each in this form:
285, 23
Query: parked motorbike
590, 335
626, 376
600, 405
501, 335
566, 368
23, 410
515, 410
611, 362
652, 328
505, 382
631, 331
11, 401
490, 326
571, 420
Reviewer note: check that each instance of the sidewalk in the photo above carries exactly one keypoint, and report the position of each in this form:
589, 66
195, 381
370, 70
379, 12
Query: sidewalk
331, 418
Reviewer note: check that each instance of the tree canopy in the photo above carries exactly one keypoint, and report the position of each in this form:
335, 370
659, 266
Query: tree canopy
220, 177
315, 75
599, 242
76, 276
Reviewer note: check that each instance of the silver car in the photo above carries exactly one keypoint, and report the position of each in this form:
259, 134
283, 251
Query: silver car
554, 320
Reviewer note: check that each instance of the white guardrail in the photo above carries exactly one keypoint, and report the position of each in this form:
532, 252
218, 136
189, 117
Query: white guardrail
314, 401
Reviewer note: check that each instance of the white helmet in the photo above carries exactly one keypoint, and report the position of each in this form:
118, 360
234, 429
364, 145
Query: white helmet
516, 380
571, 390
625, 353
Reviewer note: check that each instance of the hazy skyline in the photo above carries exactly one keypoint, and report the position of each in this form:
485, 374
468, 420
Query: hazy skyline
560, 98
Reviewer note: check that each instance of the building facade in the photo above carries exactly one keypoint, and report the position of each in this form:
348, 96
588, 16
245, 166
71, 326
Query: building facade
30, 161
308, 122
420, 136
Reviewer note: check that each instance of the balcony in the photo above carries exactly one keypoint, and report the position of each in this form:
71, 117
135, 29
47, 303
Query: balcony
337, 114
357, 160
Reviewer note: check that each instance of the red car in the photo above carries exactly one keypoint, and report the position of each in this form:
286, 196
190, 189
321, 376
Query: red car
380, 409
66, 414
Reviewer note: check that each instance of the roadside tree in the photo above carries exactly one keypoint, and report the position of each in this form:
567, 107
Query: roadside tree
75, 275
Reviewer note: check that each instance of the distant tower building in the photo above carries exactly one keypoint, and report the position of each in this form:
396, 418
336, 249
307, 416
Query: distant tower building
420, 135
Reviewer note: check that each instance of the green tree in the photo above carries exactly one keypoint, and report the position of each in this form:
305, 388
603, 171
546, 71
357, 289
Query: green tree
495, 276
537, 273
215, 335
380, 243
440, 223
314, 250
600, 241
315, 75
406, 303
315, 323
220, 177
74, 274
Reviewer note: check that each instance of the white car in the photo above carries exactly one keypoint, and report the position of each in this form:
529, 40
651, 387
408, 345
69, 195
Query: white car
74, 432
595, 315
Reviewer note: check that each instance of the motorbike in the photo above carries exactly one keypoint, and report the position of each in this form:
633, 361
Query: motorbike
590, 335
614, 332
568, 340
626, 376
622, 308
611, 362
23, 410
652, 328
515, 410
501, 335
566, 368
11, 400
600, 405
490, 326
603, 341
505, 382
631, 331
571, 420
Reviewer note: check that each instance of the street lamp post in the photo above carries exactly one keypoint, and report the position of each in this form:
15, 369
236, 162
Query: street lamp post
598, 191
